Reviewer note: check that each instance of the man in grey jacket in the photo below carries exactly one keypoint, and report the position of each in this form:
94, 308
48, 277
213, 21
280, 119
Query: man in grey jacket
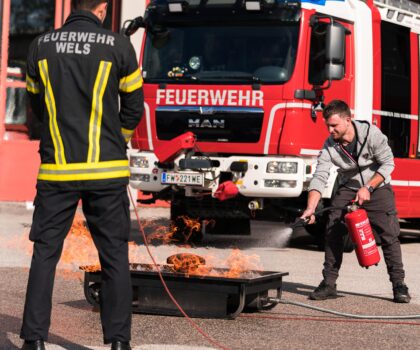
365, 163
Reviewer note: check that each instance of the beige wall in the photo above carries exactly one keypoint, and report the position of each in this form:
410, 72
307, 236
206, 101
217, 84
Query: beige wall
129, 10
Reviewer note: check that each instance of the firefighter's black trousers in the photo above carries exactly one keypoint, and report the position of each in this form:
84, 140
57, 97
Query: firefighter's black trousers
108, 217
383, 219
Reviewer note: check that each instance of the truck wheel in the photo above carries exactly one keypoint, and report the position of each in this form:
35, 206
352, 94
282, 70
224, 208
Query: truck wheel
92, 294
317, 230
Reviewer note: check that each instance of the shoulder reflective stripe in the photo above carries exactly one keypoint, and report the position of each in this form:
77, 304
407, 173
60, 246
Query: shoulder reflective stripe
84, 171
31, 85
97, 111
127, 134
52, 112
131, 82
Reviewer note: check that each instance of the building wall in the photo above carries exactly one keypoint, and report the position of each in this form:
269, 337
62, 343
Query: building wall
130, 10
19, 158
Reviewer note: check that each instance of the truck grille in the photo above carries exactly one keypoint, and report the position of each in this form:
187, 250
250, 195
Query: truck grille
221, 124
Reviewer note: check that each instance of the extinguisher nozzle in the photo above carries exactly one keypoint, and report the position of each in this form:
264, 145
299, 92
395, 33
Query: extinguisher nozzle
300, 223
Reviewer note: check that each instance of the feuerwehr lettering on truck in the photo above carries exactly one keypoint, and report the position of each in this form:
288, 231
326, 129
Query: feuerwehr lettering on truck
235, 98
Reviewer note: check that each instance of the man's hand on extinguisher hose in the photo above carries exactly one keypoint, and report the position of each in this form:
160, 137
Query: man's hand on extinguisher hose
313, 199
308, 216
362, 195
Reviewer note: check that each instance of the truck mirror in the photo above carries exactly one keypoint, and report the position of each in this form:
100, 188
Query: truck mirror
131, 26
334, 71
335, 51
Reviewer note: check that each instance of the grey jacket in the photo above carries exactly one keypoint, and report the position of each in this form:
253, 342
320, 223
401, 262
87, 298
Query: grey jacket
374, 156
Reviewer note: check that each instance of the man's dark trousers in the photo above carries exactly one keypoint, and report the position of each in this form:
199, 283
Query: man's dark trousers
108, 217
383, 219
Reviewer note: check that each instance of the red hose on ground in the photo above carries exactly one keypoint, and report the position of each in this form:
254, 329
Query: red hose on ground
197, 327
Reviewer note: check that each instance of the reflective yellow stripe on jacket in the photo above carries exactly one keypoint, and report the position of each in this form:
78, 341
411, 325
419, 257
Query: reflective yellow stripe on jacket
32, 85
84, 171
127, 134
59, 155
131, 82
97, 111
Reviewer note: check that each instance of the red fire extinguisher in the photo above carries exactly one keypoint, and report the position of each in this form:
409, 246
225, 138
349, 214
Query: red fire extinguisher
362, 236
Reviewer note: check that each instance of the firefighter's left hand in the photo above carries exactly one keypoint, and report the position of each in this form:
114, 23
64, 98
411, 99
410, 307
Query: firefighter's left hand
362, 195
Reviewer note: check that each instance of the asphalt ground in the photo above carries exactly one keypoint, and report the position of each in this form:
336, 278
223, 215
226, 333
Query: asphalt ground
76, 325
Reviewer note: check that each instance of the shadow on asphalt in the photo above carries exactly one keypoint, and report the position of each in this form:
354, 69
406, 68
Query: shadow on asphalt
11, 325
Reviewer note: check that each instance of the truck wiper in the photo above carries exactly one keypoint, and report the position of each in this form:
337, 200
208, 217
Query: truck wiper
221, 75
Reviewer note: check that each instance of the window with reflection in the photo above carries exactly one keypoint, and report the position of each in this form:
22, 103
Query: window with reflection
28, 19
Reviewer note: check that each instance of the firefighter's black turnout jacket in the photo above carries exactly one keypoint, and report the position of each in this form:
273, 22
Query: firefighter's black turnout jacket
74, 77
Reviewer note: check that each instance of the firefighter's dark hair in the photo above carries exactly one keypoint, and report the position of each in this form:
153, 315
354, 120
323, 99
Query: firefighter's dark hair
87, 5
336, 107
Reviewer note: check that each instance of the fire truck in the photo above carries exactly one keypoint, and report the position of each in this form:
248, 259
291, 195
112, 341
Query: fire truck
249, 79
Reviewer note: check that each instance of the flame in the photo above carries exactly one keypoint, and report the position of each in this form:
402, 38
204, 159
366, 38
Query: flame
240, 264
185, 262
175, 233
236, 265
79, 251
79, 247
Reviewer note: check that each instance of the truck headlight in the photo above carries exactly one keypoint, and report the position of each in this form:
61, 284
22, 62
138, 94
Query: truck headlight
139, 162
282, 167
140, 177
280, 183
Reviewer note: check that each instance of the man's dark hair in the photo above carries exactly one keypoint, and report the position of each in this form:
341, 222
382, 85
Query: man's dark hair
86, 5
336, 107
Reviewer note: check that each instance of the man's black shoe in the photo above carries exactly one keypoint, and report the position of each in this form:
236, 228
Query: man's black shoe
119, 345
323, 292
401, 294
33, 345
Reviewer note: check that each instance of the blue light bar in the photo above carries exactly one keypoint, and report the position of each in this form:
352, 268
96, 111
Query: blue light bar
320, 2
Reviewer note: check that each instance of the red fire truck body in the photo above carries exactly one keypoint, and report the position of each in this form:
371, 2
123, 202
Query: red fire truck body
257, 108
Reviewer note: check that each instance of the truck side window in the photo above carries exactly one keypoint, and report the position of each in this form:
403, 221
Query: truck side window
28, 19
317, 58
396, 86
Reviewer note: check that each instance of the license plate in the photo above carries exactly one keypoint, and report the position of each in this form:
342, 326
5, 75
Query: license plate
182, 179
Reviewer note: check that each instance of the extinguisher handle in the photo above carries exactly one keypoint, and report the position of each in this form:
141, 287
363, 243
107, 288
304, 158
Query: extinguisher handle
353, 206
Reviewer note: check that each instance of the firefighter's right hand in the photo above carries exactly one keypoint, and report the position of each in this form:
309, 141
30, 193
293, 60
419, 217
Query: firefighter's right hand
308, 216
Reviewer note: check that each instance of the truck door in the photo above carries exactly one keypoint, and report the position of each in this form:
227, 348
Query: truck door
399, 111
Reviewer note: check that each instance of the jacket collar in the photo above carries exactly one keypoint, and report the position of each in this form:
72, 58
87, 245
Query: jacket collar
83, 16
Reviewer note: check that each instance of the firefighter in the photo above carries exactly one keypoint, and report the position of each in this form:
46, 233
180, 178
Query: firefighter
86, 87
365, 163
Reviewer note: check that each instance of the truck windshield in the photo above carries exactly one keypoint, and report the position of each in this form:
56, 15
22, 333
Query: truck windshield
221, 54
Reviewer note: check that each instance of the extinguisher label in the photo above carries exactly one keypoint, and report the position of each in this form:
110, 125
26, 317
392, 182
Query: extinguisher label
363, 223
368, 245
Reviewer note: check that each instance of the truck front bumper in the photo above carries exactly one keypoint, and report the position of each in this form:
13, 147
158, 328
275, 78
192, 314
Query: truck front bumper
267, 176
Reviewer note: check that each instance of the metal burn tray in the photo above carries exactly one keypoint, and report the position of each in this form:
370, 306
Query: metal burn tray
203, 296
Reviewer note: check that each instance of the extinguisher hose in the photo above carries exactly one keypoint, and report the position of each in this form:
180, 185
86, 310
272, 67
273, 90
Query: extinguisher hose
343, 314
303, 222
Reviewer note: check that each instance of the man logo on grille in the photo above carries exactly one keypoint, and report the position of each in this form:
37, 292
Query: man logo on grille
206, 123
